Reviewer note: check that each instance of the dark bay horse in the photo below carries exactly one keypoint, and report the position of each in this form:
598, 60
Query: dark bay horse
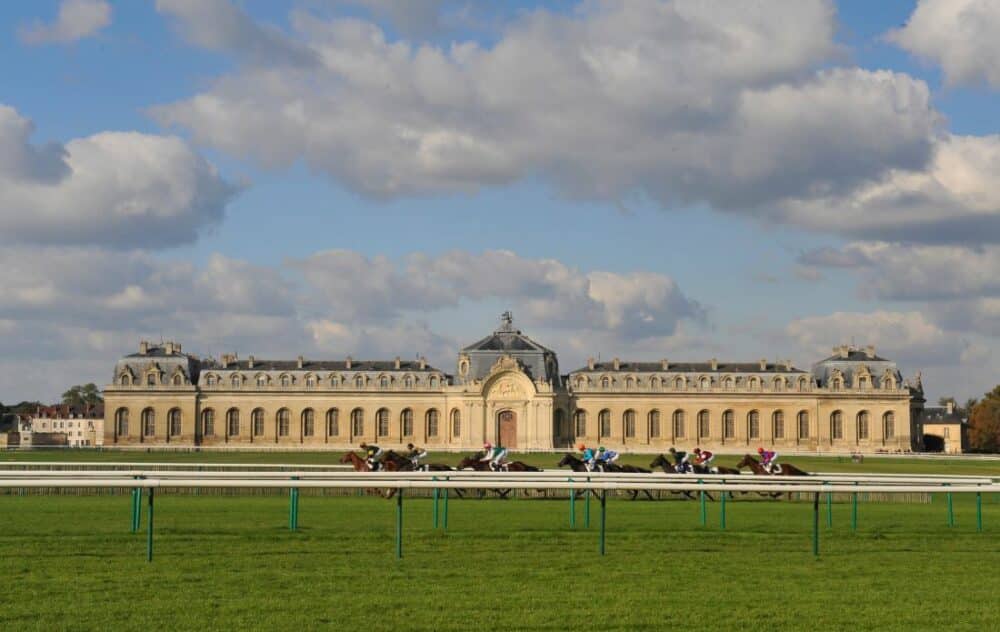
577, 465
475, 462
668, 467
395, 462
785, 469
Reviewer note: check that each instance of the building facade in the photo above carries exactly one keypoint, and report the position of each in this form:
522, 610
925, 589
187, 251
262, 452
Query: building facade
63, 425
508, 389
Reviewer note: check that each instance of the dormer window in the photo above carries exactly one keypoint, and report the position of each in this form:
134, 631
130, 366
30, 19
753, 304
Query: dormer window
359, 381
210, 380
605, 382
261, 380
432, 382
408, 382
178, 379
151, 379
310, 380
286, 380
236, 381
125, 379
383, 381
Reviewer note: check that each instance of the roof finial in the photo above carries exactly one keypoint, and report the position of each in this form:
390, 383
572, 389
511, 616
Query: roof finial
507, 321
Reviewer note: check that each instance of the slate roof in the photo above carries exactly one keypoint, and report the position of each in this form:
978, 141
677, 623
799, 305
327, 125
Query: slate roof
941, 415
689, 367
324, 365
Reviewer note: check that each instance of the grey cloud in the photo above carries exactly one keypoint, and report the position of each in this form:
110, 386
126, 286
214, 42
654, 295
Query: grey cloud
19, 159
76, 20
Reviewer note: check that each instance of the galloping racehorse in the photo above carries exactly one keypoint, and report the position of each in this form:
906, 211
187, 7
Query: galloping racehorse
395, 462
785, 469
663, 462
359, 463
475, 462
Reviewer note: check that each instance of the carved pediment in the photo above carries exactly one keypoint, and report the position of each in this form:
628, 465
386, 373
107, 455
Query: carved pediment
506, 363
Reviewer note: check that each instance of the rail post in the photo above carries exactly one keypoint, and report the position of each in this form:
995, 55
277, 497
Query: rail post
604, 494
816, 524
572, 505
704, 509
444, 522
399, 523
979, 512
829, 509
854, 510
722, 511
293, 507
951, 508
136, 506
149, 529
436, 495
586, 513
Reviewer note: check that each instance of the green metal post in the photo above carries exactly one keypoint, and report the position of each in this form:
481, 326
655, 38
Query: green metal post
854, 511
829, 509
293, 507
722, 515
399, 524
149, 529
979, 512
136, 508
445, 521
572, 506
704, 509
951, 510
603, 517
816, 524
586, 513
436, 495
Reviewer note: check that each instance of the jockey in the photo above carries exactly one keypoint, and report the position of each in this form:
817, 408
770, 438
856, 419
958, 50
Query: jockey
373, 456
703, 458
495, 455
768, 459
589, 456
606, 456
415, 454
681, 460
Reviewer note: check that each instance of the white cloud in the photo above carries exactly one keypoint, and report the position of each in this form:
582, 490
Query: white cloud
118, 189
77, 19
959, 35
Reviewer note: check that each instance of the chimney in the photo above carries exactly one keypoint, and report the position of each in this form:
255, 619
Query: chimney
950, 406
870, 351
763, 364
396, 363
177, 347
250, 362
349, 361
169, 348
715, 364
616, 363
143, 347
590, 363
423, 363
845, 351
224, 360
788, 364
299, 362
664, 365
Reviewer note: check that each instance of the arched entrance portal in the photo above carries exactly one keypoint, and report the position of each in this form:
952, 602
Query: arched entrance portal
507, 428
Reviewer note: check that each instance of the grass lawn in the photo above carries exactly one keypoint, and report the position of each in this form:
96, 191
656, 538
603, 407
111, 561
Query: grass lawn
230, 563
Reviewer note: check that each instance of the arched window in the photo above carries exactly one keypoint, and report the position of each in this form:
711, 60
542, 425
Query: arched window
233, 422
779, 384
308, 422
727, 383
705, 383
382, 422
580, 423
210, 380
432, 382
728, 425
803, 383
261, 380
753, 424
283, 420
174, 422
310, 380
121, 422
406, 422
359, 381
286, 380
432, 422
208, 422
236, 380
837, 425
178, 380
837, 383
148, 422
334, 381
704, 428
604, 423
654, 383
628, 420
653, 419
257, 421
778, 424
332, 422
605, 382
408, 381
629, 383
889, 425
678, 424
680, 383
753, 383
863, 429
357, 422
803, 423
383, 381
456, 423
125, 379
889, 382
151, 379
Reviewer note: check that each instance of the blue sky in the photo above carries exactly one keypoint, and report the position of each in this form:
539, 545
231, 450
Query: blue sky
303, 237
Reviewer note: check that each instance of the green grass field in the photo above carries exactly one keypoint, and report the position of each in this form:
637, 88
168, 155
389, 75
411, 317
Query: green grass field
230, 562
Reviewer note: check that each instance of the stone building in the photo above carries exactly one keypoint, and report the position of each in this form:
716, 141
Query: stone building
63, 425
507, 388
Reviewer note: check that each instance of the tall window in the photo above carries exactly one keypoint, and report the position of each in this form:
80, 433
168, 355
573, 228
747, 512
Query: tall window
310, 380
728, 424
679, 424
604, 423
178, 380
605, 382
262, 380
382, 422
284, 419
308, 422
286, 380
778, 424
236, 380
383, 381
779, 384
837, 424
432, 422
233, 422
148, 422
406, 421
703, 425
125, 379
208, 422
654, 424
332, 422
680, 383
174, 422
629, 423
359, 381
580, 423
210, 380
753, 425
357, 422
889, 425
408, 382
803, 419
863, 429
456, 423
629, 383
257, 420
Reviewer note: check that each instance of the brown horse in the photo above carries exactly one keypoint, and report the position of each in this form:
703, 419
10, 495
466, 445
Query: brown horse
661, 461
359, 463
476, 463
785, 469
395, 462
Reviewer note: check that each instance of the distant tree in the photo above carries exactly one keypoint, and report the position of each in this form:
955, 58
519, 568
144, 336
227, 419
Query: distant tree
82, 395
984, 423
